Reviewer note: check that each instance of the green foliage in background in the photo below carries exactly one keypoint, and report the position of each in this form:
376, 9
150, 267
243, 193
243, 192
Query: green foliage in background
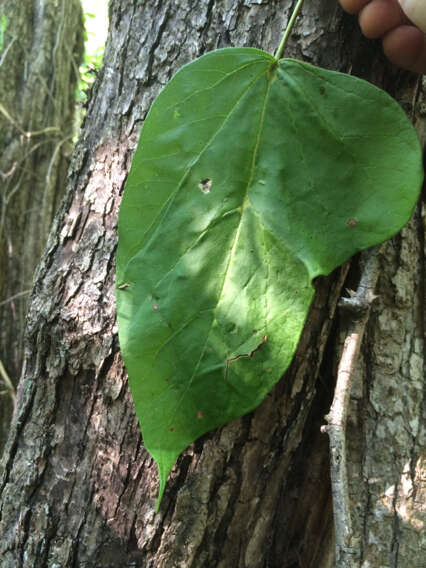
88, 69
91, 64
252, 176
3, 26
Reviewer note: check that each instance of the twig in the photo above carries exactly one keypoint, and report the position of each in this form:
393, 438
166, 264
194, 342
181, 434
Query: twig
4, 54
358, 305
8, 383
5, 175
53, 158
22, 131
15, 296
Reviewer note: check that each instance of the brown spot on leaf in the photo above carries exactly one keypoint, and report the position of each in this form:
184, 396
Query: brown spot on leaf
352, 223
200, 414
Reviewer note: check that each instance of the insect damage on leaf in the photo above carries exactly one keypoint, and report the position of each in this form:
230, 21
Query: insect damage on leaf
248, 355
205, 185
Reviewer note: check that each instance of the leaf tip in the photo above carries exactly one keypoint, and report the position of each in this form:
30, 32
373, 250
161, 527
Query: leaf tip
165, 464
160, 493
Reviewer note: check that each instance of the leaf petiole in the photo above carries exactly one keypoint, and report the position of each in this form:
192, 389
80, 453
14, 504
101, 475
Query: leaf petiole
288, 29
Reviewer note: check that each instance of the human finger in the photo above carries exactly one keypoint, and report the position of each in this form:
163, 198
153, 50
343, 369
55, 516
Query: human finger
380, 16
353, 6
405, 46
416, 11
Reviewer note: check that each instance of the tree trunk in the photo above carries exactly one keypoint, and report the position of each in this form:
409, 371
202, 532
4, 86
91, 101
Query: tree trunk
77, 487
39, 59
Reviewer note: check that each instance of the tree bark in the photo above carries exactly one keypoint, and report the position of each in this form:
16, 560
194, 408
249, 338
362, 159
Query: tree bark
77, 486
39, 60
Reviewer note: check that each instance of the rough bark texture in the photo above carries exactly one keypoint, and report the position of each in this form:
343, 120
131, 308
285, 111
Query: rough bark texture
387, 429
39, 59
77, 487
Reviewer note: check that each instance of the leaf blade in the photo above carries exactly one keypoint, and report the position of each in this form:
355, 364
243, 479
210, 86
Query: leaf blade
212, 269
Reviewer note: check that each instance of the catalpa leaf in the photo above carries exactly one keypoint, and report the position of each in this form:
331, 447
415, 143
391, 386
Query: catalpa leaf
251, 178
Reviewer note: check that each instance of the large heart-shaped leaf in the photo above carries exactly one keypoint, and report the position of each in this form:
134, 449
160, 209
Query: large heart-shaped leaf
251, 178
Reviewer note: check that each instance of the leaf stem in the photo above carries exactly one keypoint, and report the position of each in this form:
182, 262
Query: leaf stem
288, 29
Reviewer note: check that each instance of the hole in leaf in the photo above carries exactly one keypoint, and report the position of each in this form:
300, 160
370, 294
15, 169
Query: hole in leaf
205, 185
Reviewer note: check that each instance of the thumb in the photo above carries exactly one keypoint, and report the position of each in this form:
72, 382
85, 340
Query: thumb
415, 10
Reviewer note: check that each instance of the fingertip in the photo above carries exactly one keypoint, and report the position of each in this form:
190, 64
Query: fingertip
405, 47
353, 6
379, 17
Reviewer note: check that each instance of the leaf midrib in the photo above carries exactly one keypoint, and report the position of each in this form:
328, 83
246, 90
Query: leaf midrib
234, 245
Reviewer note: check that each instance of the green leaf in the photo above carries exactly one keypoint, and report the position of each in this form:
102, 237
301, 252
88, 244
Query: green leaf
251, 178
